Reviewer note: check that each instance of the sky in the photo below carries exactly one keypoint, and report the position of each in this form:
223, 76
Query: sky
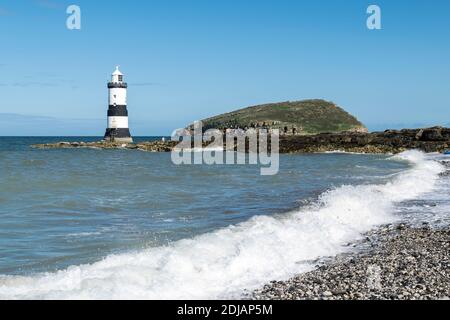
185, 60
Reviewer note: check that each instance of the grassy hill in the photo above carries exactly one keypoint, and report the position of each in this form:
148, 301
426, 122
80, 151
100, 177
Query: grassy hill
299, 117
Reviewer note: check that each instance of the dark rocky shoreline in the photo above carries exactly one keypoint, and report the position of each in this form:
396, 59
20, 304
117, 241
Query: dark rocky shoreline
150, 146
435, 139
396, 263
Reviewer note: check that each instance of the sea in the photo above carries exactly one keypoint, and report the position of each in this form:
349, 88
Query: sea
127, 224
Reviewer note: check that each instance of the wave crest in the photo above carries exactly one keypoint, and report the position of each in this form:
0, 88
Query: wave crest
223, 263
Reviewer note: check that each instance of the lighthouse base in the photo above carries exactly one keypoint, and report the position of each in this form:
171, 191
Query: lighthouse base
118, 135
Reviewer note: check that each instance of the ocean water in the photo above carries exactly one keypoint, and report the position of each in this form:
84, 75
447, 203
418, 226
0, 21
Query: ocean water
104, 224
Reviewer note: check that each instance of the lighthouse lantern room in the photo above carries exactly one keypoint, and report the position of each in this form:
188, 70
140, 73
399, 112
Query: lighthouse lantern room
117, 130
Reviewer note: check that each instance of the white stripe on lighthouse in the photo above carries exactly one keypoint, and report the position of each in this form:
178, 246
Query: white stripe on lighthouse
118, 96
117, 122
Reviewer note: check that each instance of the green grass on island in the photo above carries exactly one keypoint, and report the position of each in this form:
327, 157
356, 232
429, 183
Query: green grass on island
299, 117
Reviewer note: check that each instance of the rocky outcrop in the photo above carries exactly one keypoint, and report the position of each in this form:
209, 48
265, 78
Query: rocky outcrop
435, 139
150, 146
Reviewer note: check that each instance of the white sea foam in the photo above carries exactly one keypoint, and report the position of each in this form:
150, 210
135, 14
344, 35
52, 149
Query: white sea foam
339, 152
343, 152
205, 149
223, 263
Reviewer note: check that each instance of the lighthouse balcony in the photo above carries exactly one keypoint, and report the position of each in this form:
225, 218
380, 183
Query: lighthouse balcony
112, 85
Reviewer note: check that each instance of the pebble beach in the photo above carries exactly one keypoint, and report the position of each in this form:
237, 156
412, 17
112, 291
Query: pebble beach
393, 262
398, 262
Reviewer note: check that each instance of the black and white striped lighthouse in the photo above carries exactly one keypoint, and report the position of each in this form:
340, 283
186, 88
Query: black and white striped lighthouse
117, 130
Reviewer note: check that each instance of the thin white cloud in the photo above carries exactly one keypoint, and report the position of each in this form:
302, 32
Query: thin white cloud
35, 125
145, 84
33, 118
50, 4
26, 84
5, 12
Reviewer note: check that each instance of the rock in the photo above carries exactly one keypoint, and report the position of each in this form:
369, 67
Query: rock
432, 134
153, 146
390, 141
327, 294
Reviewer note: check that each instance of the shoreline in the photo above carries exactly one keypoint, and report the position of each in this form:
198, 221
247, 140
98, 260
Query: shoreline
395, 262
148, 146
435, 139
273, 240
392, 262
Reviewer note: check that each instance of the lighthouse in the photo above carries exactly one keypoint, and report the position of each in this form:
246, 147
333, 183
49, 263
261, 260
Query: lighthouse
117, 130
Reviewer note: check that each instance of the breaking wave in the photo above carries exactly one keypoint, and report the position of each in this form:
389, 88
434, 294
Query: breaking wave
222, 264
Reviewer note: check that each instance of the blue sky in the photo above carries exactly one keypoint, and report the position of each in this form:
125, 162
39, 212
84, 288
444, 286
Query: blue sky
189, 59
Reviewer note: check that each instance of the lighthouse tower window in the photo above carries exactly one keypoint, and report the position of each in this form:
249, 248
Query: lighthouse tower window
120, 78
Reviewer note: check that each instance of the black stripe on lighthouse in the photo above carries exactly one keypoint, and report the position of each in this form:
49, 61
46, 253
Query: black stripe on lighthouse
119, 133
112, 85
117, 111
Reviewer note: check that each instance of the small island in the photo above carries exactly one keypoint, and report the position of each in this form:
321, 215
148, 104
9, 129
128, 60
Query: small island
308, 126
